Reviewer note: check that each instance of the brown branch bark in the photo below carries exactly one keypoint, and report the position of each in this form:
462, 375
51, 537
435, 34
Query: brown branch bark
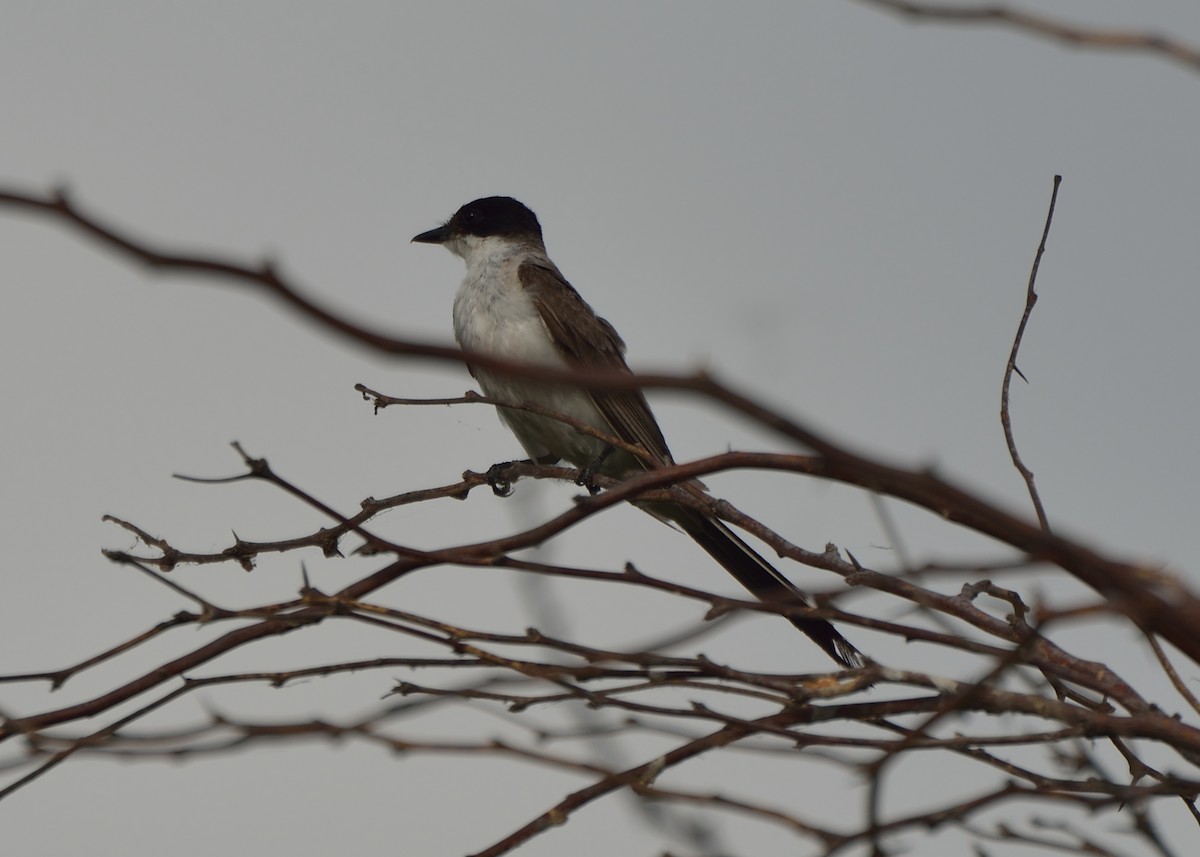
1044, 26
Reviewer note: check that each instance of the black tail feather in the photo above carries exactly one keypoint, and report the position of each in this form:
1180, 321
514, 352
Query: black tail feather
760, 577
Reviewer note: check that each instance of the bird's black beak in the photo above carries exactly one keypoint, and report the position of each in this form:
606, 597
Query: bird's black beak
434, 236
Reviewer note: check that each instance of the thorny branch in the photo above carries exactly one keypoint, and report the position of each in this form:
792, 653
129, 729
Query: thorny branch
1011, 366
1030, 716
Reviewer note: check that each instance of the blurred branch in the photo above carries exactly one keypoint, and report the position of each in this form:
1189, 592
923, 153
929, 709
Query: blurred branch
1110, 39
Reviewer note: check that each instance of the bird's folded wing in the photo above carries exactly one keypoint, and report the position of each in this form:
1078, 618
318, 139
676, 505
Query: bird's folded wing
586, 340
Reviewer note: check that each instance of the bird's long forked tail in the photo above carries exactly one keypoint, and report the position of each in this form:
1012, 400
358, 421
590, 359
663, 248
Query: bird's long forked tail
761, 578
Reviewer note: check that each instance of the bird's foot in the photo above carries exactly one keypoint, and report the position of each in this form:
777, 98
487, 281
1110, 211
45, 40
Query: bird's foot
500, 479
587, 475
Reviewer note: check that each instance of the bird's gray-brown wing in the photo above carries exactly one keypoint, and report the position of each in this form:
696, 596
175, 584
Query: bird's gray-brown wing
588, 341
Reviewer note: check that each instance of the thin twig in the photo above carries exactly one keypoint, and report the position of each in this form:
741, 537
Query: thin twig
1173, 674
1011, 367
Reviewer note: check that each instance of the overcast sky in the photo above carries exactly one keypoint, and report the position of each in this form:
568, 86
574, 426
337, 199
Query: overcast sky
818, 201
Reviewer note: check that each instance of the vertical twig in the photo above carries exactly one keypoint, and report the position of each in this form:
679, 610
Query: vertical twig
1005, 418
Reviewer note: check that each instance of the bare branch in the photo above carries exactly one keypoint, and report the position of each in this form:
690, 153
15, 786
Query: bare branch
1050, 28
1011, 366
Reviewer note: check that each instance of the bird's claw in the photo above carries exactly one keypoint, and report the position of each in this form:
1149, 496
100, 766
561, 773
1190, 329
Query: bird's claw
586, 477
499, 480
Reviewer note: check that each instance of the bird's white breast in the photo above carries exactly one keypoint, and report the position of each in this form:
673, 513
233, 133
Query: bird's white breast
494, 314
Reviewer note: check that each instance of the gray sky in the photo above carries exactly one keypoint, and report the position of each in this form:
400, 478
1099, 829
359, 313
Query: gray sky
818, 201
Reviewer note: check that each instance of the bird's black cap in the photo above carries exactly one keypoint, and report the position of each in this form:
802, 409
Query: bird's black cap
491, 215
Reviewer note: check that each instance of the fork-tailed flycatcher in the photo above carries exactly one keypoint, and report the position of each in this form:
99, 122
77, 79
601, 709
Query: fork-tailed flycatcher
515, 304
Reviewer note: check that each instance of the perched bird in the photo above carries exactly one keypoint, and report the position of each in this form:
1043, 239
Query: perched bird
515, 304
